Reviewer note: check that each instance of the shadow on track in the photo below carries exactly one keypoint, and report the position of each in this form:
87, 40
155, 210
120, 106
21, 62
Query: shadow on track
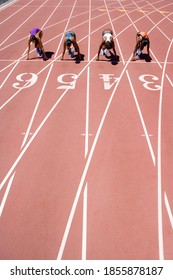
145, 57
49, 54
76, 58
113, 59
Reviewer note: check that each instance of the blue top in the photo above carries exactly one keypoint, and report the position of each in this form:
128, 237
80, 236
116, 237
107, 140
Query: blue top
68, 35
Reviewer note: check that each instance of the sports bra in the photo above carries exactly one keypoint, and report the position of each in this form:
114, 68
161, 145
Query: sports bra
68, 35
34, 31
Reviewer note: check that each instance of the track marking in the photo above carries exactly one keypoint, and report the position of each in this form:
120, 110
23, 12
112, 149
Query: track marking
6, 194
84, 228
36, 108
9, 74
168, 208
142, 11
169, 80
150, 135
142, 121
160, 218
88, 86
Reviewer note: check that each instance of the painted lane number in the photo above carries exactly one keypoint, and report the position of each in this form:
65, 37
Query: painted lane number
25, 80
68, 80
149, 82
108, 80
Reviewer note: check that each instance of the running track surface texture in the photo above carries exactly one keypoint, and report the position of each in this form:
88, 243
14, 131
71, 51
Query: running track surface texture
86, 158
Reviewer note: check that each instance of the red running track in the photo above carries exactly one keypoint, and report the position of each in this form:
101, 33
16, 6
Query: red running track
86, 148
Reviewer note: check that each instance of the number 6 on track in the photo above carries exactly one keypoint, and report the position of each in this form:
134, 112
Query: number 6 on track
25, 82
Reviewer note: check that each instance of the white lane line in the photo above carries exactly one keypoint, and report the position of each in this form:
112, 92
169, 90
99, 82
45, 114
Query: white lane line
9, 74
16, 93
160, 221
169, 79
86, 60
142, 121
6, 194
36, 108
87, 113
168, 208
88, 86
84, 228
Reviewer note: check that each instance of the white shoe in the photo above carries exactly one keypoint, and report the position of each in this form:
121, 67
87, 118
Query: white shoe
104, 52
138, 52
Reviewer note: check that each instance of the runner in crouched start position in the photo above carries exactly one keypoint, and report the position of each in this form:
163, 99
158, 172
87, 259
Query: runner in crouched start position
35, 37
107, 43
70, 45
142, 40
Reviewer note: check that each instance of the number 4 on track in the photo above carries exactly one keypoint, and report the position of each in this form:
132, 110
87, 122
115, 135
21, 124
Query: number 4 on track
108, 80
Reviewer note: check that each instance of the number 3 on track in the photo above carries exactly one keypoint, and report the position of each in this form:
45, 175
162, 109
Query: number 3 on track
149, 82
28, 80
